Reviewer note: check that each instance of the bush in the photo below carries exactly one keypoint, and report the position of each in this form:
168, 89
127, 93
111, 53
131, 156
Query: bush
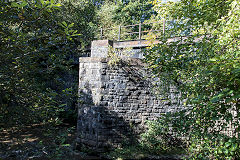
159, 140
38, 77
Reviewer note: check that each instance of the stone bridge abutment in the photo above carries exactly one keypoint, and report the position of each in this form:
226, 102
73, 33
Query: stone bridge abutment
116, 101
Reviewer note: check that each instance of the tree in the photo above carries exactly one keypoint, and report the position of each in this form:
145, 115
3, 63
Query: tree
205, 68
37, 50
121, 13
83, 15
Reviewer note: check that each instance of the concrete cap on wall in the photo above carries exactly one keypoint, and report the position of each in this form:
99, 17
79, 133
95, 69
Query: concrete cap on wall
99, 48
101, 43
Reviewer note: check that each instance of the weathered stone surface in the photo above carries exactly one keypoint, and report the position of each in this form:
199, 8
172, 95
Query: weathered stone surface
117, 101
100, 48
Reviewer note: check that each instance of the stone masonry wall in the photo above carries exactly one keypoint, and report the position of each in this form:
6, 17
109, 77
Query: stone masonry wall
115, 102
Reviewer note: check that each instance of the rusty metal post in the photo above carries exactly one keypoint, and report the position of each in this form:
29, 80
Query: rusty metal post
119, 33
140, 31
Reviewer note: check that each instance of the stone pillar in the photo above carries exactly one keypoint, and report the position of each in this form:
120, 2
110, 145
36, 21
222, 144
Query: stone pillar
115, 101
99, 48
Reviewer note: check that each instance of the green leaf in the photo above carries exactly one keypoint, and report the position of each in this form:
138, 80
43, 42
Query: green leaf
62, 105
71, 25
23, 4
227, 144
65, 24
234, 147
58, 5
77, 34
14, 4
213, 60
226, 151
220, 151
66, 145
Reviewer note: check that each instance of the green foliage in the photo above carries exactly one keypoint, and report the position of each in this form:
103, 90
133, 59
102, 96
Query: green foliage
133, 12
111, 15
37, 49
115, 55
221, 147
83, 15
153, 144
158, 140
205, 69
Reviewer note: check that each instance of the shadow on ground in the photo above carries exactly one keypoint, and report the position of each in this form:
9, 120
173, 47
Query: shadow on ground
37, 141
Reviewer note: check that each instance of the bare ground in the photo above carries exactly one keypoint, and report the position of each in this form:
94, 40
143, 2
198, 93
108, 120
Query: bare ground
37, 141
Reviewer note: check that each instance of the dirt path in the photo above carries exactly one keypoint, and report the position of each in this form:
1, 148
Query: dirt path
46, 141
38, 141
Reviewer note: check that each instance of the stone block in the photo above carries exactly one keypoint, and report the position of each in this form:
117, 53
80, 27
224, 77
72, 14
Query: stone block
120, 98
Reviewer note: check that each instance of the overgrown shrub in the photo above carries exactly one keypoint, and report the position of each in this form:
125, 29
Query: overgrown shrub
38, 75
159, 138
204, 65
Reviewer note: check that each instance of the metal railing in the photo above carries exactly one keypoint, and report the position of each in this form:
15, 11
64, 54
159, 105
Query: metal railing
140, 30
